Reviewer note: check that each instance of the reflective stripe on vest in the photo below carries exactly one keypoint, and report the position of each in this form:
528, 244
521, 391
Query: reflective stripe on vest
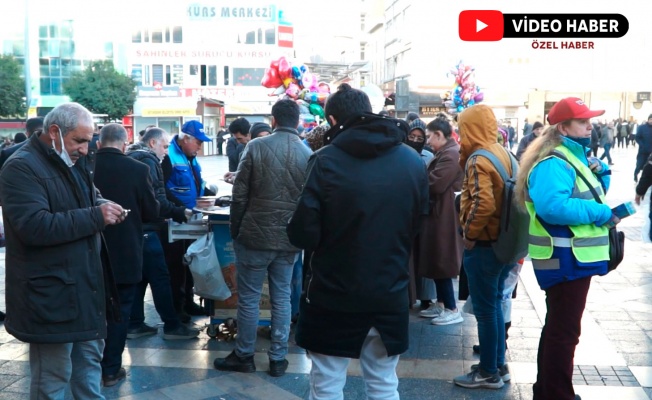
589, 243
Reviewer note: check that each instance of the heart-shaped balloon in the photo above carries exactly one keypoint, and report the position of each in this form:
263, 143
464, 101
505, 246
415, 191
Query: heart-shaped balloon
271, 78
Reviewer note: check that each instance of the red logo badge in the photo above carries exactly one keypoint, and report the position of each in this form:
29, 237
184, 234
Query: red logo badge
481, 25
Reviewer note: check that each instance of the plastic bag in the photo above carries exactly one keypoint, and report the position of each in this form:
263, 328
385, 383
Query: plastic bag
205, 268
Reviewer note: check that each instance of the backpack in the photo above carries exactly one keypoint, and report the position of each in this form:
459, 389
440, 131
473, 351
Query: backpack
623, 130
512, 243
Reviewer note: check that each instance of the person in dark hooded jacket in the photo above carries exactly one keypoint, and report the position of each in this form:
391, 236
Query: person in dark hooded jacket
360, 210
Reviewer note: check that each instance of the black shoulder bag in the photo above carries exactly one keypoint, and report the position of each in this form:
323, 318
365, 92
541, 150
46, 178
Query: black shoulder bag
616, 238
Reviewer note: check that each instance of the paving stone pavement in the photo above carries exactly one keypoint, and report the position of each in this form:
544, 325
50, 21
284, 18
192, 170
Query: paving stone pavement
613, 360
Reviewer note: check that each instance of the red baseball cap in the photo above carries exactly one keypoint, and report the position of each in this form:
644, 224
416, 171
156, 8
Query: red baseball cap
571, 108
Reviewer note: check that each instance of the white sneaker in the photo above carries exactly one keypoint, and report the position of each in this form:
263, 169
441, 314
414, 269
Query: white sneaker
434, 310
447, 317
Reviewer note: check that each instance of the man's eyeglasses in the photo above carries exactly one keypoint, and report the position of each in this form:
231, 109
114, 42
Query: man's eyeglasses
414, 138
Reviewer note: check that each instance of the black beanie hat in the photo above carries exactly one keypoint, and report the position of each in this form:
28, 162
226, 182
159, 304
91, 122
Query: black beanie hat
258, 127
537, 125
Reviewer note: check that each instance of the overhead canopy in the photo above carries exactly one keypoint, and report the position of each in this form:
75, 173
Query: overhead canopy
332, 72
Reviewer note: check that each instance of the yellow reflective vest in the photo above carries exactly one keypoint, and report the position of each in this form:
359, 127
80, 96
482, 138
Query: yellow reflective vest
589, 243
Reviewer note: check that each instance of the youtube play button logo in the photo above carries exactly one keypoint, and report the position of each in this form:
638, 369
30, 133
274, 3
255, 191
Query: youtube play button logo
481, 25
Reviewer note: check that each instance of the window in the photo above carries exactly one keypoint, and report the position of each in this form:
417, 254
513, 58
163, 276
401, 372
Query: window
157, 36
157, 73
167, 34
44, 67
247, 76
55, 67
54, 31
194, 70
45, 86
270, 36
212, 75
362, 49
177, 74
226, 75
66, 69
108, 50
168, 75
177, 35
56, 86
67, 49
43, 32
250, 38
202, 73
137, 74
146, 76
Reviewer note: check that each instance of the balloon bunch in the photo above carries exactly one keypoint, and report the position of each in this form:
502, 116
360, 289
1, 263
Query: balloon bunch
299, 84
465, 93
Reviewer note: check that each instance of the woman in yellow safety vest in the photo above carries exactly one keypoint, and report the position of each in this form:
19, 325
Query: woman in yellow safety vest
568, 235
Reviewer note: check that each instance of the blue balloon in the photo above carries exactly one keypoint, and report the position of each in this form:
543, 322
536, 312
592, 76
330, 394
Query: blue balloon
460, 108
470, 103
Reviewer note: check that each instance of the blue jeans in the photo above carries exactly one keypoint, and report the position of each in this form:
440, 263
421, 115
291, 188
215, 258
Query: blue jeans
55, 366
486, 284
446, 293
607, 148
156, 274
252, 266
116, 332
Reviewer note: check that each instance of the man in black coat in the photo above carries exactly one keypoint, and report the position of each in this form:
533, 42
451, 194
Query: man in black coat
239, 130
359, 214
151, 149
58, 293
127, 182
31, 126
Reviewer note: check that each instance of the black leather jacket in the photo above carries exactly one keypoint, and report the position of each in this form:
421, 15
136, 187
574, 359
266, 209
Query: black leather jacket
168, 209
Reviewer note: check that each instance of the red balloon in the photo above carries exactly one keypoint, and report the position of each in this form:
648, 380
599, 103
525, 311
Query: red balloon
284, 68
271, 79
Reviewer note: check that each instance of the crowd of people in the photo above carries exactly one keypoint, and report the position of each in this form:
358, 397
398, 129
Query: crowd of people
85, 217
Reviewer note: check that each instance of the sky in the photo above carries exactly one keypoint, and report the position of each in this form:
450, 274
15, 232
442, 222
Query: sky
615, 64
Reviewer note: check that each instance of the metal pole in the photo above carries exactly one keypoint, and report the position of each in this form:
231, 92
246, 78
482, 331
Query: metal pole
28, 80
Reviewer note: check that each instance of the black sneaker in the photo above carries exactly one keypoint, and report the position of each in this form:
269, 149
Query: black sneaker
278, 368
179, 333
234, 363
111, 380
142, 330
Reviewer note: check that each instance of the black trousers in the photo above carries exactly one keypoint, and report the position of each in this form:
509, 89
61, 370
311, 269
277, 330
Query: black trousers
180, 277
560, 335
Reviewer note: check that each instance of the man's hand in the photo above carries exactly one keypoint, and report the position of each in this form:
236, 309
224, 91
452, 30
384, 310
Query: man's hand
229, 177
112, 213
188, 213
469, 244
638, 199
